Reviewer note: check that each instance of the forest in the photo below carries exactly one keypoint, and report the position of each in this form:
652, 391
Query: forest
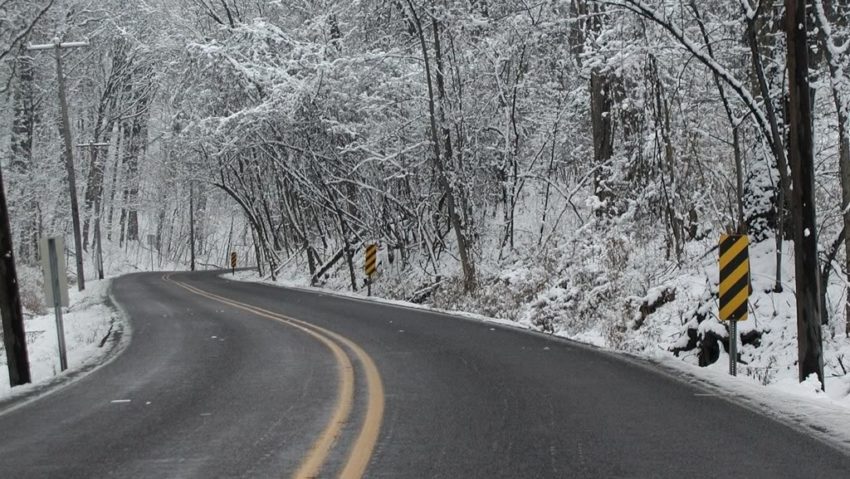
569, 164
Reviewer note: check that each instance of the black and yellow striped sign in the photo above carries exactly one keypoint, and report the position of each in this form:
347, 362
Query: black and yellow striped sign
233, 259
734, 277
371, 264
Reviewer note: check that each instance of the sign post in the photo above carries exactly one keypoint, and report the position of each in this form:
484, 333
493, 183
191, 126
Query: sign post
734, 288
233, 263
371, 265
55, 286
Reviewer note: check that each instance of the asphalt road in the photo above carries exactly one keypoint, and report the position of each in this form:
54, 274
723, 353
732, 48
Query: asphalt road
223, 379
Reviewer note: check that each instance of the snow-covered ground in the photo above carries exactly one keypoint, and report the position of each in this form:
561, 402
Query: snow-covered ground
88, 321
772, 359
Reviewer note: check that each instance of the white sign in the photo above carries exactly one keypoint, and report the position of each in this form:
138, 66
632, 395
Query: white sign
59, 253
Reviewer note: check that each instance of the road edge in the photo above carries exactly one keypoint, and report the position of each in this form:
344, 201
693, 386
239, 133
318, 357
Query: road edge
800, 422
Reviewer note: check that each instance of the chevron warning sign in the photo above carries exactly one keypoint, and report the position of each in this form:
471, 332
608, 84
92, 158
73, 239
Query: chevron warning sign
371, 264
734, 277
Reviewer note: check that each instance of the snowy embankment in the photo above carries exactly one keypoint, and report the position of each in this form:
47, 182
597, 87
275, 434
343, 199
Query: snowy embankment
89, 324
767, 339
646, 309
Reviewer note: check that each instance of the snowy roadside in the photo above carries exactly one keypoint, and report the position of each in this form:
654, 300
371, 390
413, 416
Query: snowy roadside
800, 405
91, 325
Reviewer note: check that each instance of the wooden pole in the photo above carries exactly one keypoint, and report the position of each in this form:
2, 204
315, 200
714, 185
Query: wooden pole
809, 342
69, 167
57, 47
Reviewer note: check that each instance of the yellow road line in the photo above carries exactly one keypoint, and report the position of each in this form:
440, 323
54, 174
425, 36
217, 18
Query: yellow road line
364, 445
315, 459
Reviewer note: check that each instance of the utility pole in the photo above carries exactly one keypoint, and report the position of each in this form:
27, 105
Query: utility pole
57, 47
809, 341
192, 225
98, 248
14, 336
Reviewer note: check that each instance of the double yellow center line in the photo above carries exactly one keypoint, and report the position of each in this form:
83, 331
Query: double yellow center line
364, 444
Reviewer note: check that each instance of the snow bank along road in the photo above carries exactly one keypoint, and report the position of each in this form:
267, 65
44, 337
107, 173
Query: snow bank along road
229, 379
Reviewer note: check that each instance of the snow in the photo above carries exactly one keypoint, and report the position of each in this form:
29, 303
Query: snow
800, 405
749, 11
87, 321
250, 276
736, 85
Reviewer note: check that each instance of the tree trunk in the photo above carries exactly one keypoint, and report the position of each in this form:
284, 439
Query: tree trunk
103, 124
776, 143
844, 167
113, 184
549, 172
825, 29
201, 230
14, 336
454, 188
603, 136
191, 225
445, 182
21, 142
136, 132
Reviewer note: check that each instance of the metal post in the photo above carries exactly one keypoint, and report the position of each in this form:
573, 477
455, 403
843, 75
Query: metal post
57, 301
733, 347
369, 286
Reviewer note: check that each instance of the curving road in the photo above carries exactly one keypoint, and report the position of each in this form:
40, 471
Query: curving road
229, 379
